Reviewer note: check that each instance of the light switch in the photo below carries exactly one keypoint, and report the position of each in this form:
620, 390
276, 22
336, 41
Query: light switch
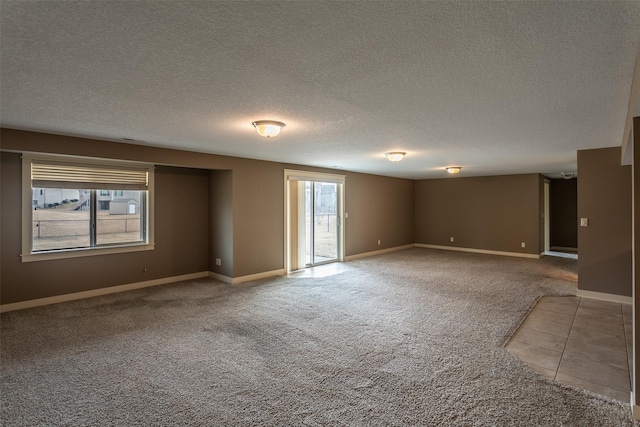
584, 222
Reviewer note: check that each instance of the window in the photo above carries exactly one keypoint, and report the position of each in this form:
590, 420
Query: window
70, 211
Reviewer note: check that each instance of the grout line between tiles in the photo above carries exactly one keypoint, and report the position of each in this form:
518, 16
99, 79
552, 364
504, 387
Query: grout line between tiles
567, 340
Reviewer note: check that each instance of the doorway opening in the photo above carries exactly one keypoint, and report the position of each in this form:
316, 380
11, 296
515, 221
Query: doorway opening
561, 218
313, 219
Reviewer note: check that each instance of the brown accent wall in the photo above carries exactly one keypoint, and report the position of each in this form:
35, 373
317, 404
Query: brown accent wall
379, 208
491, 213
563, 212
604, 197
258, 217
181, 230
238, 216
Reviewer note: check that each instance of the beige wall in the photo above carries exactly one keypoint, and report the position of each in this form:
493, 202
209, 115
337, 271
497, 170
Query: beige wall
239, 209
604, 197
491, 213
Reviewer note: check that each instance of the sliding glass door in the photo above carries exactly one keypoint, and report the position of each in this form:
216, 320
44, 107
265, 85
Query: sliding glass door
314, 210
321, 212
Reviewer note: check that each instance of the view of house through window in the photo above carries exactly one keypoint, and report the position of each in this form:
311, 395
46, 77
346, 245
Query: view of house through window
64, 219
74, 207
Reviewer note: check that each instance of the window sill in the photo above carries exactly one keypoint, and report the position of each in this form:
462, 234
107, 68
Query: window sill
77, 253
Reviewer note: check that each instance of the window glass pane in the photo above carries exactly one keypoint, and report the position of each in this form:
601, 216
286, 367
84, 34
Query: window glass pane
101, 206
120, 219
325, 228
60, 219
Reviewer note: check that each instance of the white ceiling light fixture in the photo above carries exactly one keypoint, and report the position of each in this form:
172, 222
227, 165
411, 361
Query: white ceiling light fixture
395, 156
268, 128
453, 169
568, 175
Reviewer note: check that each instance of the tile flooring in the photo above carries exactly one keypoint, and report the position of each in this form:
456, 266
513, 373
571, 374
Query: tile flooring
580, 342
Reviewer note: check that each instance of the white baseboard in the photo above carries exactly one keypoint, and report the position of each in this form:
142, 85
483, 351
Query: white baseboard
220, 277
378, 252
250, 277
98, 292
132, 286
602, 296
258, 276
234, 280
478, 251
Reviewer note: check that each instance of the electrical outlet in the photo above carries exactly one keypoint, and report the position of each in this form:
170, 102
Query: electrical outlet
378, 242
218, 261
522, 245
584, 222
452, 239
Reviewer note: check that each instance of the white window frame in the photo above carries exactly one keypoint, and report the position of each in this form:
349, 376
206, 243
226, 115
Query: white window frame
28, 255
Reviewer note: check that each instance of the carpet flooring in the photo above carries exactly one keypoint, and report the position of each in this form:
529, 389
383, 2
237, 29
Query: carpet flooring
414, 337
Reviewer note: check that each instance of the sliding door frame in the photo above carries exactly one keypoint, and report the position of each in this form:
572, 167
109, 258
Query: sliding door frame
296, 175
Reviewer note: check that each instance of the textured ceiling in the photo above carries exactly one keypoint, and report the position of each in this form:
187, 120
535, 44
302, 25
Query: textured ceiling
494, 87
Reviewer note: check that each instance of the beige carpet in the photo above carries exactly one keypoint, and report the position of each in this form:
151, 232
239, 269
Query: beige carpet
410, 338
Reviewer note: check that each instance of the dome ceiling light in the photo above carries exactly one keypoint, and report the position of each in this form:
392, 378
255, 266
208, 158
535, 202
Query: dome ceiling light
268, 128
395, 156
